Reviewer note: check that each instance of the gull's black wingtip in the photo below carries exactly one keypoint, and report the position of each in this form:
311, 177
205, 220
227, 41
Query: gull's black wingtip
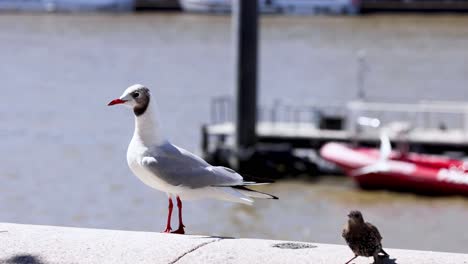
244, 188
272, 197
248, 177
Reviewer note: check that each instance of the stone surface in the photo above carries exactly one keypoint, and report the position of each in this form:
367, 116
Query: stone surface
48, 244
23, 244
267, 251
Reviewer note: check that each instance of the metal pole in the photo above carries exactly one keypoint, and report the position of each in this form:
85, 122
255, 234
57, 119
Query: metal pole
361, 74
205, 142
245, 18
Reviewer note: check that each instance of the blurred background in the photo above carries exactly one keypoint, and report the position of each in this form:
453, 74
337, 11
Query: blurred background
322, 66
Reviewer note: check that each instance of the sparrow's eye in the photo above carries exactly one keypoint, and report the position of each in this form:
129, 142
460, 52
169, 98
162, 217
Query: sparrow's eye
135, 95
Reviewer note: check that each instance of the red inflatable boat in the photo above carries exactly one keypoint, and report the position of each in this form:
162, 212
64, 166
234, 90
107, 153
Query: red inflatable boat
386, 169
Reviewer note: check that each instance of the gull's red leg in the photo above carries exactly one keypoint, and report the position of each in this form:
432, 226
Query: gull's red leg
168, 225
180, 230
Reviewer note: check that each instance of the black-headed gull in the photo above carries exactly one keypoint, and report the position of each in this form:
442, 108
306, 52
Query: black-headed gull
174, 170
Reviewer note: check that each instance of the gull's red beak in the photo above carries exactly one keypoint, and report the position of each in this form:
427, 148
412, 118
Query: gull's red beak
116, 101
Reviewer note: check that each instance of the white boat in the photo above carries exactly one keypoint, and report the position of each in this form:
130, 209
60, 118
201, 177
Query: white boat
66, 5
319, 6
222, 6
277, 6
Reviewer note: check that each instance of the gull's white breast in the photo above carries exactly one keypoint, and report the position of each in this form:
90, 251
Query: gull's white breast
135, 154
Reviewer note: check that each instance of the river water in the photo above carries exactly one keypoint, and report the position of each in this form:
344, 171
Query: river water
63, 150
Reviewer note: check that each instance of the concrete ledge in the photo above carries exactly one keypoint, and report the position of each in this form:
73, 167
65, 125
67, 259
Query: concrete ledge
47, 244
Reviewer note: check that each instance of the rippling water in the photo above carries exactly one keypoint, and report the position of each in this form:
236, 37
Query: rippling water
63, 151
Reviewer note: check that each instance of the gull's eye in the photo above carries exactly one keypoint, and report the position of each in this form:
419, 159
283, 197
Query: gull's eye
135, 95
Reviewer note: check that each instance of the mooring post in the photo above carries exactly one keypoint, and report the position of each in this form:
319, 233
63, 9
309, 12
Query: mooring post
363, 67
245, 21
205, 140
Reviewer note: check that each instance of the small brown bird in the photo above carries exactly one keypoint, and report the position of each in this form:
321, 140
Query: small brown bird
362, 237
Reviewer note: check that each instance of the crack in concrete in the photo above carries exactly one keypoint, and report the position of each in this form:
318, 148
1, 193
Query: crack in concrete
193, 249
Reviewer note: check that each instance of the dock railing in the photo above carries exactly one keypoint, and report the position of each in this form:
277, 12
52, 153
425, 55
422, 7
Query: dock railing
433, 125
425, 114
222, 111
435, 116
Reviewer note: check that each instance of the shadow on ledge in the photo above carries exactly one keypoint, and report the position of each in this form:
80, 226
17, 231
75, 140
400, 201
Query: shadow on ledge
24, 259
387, 261
208, 236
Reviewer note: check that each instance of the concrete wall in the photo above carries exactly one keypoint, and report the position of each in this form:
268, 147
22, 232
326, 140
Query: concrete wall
21, 244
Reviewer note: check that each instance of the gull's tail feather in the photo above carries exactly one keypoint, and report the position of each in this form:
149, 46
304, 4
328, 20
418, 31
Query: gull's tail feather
244, 183
254, 194
238, 194
232, 195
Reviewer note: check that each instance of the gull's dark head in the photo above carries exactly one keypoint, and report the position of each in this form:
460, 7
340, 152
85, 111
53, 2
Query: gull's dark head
355, 217
136, 97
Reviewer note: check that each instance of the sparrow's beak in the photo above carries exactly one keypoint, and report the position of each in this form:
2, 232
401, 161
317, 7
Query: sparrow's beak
116, 101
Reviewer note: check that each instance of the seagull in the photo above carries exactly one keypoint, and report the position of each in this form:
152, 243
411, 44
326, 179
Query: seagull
172, 169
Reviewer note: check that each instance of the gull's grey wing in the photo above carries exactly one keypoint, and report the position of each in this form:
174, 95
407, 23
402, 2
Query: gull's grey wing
179, 167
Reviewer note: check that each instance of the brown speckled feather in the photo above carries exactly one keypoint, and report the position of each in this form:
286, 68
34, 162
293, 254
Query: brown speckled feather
364, 240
